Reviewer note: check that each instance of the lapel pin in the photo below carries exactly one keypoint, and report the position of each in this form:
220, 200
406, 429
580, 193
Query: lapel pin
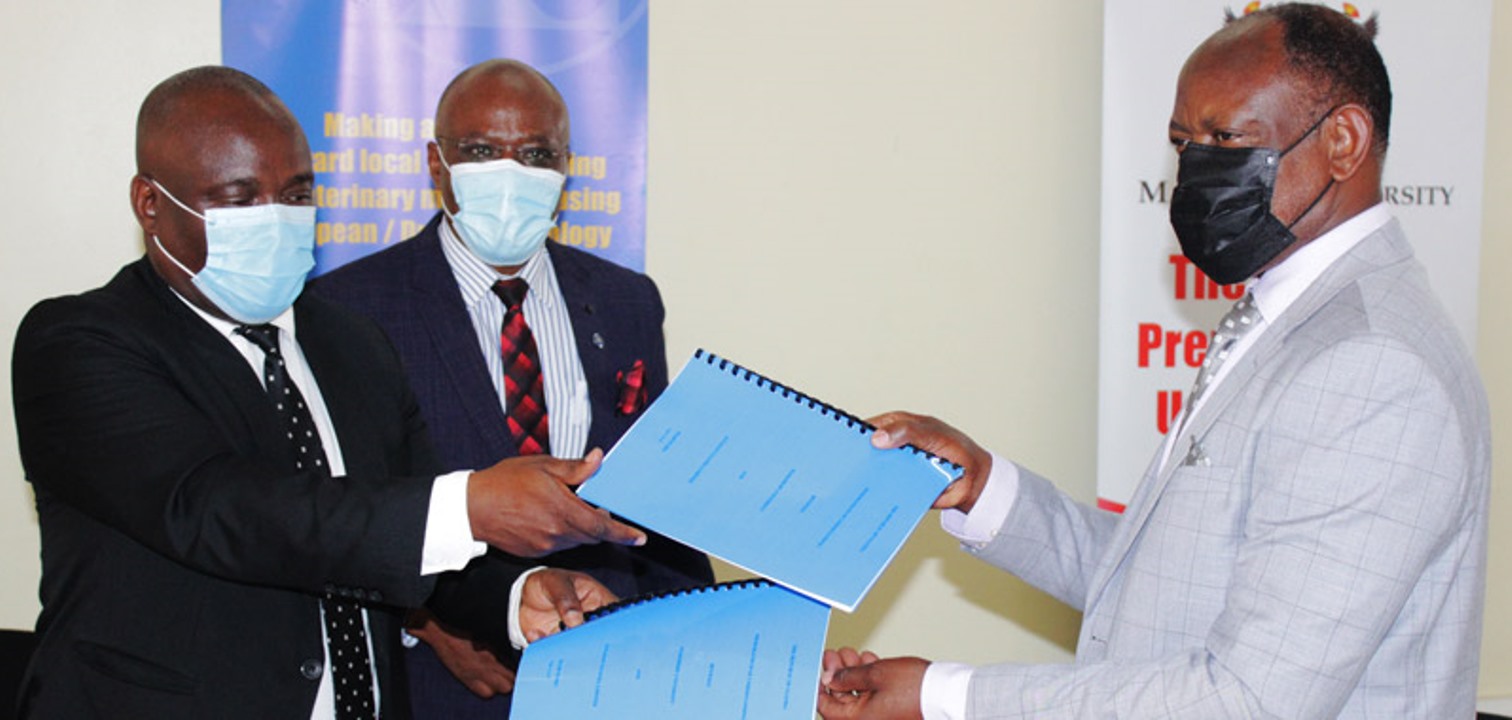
598, 341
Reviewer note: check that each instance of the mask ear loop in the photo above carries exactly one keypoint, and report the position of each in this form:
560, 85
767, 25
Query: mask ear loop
175, 200
1319, 197
159, 242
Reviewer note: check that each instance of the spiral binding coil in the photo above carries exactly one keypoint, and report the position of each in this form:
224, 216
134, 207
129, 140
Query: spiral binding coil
615, 607
860, 426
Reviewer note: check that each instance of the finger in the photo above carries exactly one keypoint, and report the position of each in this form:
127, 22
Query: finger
482, 688
869, 657
600, 526
890, 429
562, 593
830, 662
953, 494
504, 682
592, 594
856, 679
849, 657
581, 470
840, 706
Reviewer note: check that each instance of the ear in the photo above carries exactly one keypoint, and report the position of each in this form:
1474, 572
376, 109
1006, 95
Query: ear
440, 178
1351, 141
144, 203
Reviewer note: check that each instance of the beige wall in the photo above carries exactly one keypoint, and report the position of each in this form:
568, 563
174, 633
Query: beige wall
890, 204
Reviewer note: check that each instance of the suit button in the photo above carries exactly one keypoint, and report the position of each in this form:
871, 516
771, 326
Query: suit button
375, 596
311, 669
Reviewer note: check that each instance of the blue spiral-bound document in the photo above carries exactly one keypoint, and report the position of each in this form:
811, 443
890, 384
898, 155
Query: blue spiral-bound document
747, 650
769, 479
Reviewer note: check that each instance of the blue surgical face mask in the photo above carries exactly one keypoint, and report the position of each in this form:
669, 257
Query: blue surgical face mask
256, 258
504, 209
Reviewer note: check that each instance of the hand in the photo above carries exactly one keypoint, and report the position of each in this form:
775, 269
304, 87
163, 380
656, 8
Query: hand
472, 663
857, 685
523, 506
553, 599
896, 429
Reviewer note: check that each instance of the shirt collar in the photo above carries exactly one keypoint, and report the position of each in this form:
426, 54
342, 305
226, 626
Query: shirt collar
1280, 286
284, 321
475, 278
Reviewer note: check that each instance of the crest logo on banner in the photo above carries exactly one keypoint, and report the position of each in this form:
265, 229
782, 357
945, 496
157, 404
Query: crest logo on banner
1156, 307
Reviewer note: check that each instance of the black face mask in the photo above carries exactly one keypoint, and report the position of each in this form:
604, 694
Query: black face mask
1221, 210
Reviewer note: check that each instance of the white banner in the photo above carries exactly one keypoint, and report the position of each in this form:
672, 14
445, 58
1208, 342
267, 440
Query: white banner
1156, 307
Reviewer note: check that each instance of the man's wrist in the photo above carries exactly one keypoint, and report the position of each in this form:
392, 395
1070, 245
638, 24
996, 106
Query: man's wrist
516, 595
944, 691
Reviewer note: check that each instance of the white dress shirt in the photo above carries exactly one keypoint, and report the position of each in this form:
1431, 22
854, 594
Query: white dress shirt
449, 543
944, 692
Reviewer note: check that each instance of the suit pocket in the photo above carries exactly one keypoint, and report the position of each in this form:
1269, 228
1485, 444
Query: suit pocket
124, 667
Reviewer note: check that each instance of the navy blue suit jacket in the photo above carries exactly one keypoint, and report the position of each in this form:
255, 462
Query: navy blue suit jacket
616, 316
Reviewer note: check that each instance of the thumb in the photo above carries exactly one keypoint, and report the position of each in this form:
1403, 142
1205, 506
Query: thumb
564, 598
856, 679
580, 471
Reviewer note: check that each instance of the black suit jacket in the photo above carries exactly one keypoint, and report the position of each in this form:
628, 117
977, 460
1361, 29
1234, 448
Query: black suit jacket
182, 562
616, 317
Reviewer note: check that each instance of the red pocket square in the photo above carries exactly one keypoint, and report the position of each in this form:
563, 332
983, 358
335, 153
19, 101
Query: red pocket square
632, 389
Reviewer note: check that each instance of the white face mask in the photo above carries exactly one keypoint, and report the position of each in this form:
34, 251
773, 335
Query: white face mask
256, 258
504, 209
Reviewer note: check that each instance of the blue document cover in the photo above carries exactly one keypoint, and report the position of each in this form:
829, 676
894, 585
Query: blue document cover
748, 650
769, 479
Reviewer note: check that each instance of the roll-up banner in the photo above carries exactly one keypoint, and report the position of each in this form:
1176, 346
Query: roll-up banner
363, 77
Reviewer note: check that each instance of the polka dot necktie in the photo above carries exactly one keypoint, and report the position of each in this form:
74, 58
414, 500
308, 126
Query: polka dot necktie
524, 390
346, 636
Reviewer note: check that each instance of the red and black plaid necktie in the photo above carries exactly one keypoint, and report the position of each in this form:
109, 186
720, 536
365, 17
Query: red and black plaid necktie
524, 391
346, 633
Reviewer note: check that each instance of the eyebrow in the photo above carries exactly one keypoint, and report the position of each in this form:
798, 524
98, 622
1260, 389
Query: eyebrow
233, 186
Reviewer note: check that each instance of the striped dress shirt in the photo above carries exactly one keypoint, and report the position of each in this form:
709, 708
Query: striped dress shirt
546, 314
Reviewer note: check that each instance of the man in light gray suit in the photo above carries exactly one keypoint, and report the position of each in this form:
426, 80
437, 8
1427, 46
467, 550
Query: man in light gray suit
1310, 541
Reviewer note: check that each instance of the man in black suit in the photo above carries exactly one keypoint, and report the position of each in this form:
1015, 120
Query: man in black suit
502, 131
234, 492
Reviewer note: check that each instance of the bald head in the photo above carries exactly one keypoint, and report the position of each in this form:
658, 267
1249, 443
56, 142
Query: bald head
497, 81
185, 105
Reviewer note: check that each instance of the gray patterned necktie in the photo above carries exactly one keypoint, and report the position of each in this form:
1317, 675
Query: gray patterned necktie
1238, 322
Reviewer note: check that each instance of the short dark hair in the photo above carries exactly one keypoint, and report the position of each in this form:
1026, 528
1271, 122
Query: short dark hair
1338, 56
159, 110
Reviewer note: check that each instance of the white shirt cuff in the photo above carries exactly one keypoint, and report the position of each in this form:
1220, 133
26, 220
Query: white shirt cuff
516, 633
449, 542
978, 527
943, 694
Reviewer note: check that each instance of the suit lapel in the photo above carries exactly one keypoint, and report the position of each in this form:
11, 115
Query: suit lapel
438, 304
241, 399
584, 308
1383, 246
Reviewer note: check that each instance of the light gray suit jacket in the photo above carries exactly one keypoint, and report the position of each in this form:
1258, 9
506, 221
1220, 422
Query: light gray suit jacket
1314, 548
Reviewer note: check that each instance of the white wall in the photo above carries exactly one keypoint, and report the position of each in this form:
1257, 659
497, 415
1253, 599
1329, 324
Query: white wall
889, 204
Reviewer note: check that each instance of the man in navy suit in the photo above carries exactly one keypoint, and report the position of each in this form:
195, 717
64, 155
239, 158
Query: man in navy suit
453, 302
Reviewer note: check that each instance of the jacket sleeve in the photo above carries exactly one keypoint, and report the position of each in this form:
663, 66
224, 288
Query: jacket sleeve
1358, 481
138, 433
